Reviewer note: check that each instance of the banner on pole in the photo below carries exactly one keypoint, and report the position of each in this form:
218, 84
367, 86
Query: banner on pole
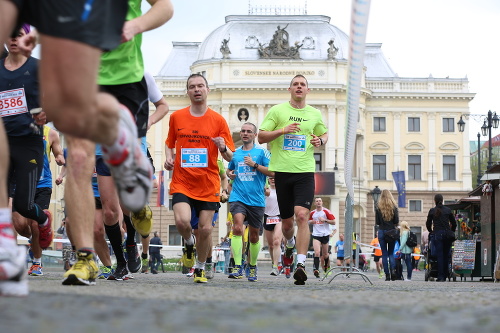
399, 179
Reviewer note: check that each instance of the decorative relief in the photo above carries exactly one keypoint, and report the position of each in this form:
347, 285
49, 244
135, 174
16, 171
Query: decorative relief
414, 146
252, 42
449, 146
279, 46
379, 145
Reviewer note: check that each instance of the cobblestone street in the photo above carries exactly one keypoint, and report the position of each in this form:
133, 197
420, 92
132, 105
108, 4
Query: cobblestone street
171, 302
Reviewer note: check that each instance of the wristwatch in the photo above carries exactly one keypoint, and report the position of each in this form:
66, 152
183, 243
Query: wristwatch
255, 166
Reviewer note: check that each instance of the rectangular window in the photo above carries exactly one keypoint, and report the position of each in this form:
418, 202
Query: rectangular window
379, 124
174, 237
448, 125
414, 167
318, 161
379, 167
415, 205
413, 124
449, 168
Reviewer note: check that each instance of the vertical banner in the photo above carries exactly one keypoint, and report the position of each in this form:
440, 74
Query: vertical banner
160, 198
399, 179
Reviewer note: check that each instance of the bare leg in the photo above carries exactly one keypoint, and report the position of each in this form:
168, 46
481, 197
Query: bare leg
182, 215
75, 106
205, 233
78, 192
101, 247
303, 233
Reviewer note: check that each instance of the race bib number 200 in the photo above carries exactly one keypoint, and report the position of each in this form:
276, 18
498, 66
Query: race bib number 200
13, 102
294, 142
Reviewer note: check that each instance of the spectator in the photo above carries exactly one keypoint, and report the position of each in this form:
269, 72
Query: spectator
154, 252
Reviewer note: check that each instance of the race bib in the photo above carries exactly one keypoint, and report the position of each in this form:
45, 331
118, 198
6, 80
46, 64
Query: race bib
294, 142
245, 170
13, 102
194, 158
273, 220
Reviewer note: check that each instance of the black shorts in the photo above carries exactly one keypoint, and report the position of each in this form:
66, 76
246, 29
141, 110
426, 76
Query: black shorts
95, 23
198, 205
322, 239
269, 227
135, 97
42, 197
376, 258
98, 202
294, 189
101, 168
340, 258
253, 214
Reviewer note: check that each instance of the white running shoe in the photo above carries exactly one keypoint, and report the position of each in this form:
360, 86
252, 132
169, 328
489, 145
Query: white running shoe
13, 271
133, 171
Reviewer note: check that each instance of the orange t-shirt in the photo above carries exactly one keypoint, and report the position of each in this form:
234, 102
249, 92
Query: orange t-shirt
377, 252
196, 172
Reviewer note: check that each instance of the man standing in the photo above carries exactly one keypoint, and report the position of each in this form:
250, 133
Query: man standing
248, 169
294, 129
196, 136
321, 218
154, 252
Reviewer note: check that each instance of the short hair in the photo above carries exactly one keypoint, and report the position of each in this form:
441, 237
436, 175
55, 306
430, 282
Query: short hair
195, 75
299, 75
251, 124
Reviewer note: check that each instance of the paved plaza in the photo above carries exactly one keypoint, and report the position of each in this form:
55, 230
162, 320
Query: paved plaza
171, 302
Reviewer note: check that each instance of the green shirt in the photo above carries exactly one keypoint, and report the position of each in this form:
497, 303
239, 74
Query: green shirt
292, 152
124, 64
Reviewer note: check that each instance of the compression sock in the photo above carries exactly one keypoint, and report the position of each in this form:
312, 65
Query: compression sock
254, 253
316, 263
115, 238
130, 230
237, 246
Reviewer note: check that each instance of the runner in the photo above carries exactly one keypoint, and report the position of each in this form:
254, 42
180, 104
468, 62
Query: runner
294, 129
248, 169
272, 228
196, 136
321, 218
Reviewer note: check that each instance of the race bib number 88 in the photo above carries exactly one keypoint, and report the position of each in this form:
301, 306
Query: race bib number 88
194, 158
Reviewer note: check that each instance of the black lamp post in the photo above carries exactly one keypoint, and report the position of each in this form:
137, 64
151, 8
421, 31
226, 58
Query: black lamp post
491, 121
376, 195
478, 159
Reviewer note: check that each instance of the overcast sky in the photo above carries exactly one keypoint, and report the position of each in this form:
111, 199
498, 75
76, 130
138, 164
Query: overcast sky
455, 38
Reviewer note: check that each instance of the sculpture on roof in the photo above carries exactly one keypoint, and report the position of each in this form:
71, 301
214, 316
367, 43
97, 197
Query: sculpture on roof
279, 46
332, 50
224, 48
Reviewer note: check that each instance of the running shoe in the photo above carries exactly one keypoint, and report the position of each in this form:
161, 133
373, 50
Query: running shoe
237, 272
287, 272
288, 258
72, 258
13, 280
145, 265
199, 276
134, 260
45, 237
209, 270
252, 273
105, 273
143, 221
316, 273
300, 275
381, 275
84, 271
188, 256
280, 269
120, 273
274, 271
36, 269
132, 172
191, 272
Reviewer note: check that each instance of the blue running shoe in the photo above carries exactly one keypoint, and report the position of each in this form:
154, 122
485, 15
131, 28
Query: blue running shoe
252, 273
237, 272
36, 269
105, 273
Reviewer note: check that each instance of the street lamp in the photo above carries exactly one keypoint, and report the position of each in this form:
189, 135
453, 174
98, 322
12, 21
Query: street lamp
490, 121
376, 195
478, 159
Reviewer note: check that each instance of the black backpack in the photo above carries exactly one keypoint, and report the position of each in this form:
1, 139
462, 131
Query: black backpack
412, 239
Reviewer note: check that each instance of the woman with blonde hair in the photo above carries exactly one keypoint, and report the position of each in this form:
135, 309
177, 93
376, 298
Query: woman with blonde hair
404, 249
387, 218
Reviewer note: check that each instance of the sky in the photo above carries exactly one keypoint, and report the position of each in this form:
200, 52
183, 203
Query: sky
442, 38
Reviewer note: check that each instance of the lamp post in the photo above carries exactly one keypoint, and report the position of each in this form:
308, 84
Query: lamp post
491, 121
478, 159
376, 195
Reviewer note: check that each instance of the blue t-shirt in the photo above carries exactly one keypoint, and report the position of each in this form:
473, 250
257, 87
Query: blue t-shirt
46, 176
248, 186
340, 248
